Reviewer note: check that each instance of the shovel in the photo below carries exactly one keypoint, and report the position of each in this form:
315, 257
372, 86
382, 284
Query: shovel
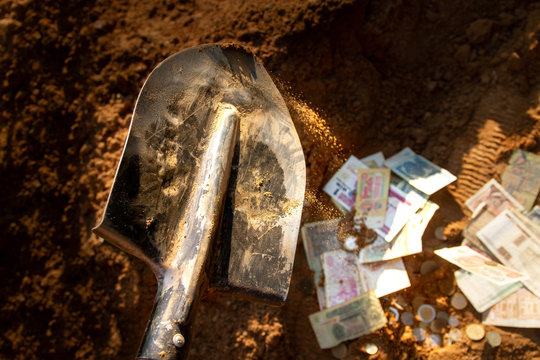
209, 189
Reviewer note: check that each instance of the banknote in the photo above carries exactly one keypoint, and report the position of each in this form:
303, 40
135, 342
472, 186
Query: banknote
475, 262
407, 242
372, 196
520, 178
342, 186
419, 172
341, 281
401, 207
411, 191
377, 159
480, 218
384, 277
349, 320
521, 309
483, 294
515, 245
495, 197
318, 238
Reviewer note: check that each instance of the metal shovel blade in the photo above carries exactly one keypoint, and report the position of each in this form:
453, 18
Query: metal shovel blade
210, 186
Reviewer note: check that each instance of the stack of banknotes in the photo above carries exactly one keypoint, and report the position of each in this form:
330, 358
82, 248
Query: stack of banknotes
391, 197
499, 258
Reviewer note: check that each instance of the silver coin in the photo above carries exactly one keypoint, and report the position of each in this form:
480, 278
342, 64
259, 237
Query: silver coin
340, 351
453, 321
419, 334
442, 315
428, 267
407, 318
439, 233
438, 325
395, 312
493, 338
371, 348
426, 313
434, 340
455, 335
458, 301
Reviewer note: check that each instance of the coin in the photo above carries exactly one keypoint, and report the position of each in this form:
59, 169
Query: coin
419, 334
433, 340
407, 318
426, 313
395, 314
493, 338
439, 233
437, 325
371, 348
446, 286
458, 301
400, 302
475, 332
417, 301
454, 335
350, 243
453, 321
340, 351
442, 315
428, 267
423, 325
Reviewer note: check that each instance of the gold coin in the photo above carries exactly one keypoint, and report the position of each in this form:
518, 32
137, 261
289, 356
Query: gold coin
475, 332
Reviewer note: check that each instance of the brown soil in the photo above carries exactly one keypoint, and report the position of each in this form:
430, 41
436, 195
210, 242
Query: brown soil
457, 81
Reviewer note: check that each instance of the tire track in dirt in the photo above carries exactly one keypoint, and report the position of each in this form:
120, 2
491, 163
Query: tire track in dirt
499, 114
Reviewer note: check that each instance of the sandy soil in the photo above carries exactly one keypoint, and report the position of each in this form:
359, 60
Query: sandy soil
457, 81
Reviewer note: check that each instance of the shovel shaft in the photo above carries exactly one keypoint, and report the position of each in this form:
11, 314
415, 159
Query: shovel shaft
167, 335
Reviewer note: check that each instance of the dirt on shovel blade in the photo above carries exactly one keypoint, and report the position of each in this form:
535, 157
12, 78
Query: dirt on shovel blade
456, 81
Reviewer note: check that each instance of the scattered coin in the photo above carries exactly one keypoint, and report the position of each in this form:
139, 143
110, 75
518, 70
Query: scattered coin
428, 267
458, 301
423, 325
407, 318
433, 340
426, 313
454, 335
400, 302
453, 321
446, 286
442, 315
340, 351
438, 325
419, 334
439, 233
493, 338
417, 301
395, 313
350, 243
371, 348
475, 332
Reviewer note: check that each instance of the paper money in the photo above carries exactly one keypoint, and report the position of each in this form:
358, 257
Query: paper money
377, 159
384, 277
520, 178
341, 281
495, 197
356, 317
372, 196
479, 264
342, 186
515, 245
411, 191
483, 294
401, 207
481, 217
318, 238
419, 172
407, 242
520, 309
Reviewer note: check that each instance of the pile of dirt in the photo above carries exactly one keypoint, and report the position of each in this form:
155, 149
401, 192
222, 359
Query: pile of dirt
458, 82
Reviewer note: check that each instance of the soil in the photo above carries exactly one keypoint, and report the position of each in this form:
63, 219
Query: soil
457, 81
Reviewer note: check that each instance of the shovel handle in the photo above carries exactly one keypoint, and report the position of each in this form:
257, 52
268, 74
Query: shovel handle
167, 335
